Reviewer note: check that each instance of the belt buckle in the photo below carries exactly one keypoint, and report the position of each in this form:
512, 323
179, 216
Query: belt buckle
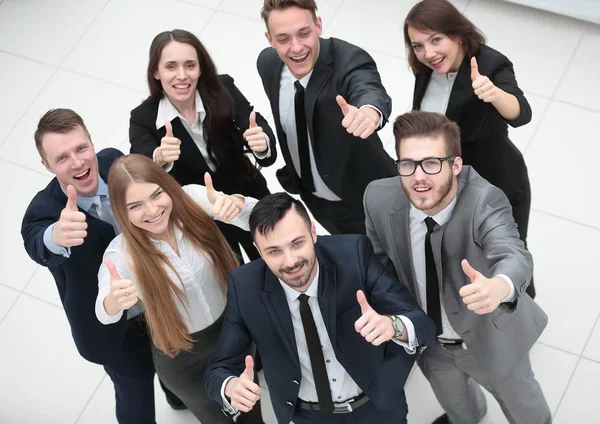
344, 408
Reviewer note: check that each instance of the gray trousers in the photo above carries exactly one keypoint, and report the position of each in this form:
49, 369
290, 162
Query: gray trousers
183, 375
455, 377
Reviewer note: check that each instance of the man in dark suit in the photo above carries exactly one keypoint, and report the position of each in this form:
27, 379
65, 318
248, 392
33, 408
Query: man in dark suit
67, 228
328, 102
452, 240
337, 334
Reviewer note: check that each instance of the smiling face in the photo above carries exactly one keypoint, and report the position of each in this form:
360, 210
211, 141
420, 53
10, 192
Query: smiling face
294, 34
71, 157
435, 50
289, 250
148, 208
429, 193
178, 72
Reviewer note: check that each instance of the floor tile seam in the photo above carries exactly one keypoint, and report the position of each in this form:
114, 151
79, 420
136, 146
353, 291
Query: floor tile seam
569, 62
560, 401
89, 401
563, 218
19, 165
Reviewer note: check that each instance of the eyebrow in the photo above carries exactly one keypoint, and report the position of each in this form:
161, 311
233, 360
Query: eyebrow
428, 38
283, 34
292, 242
139, 201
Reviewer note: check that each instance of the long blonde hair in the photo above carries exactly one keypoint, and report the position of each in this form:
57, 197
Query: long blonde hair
158, 291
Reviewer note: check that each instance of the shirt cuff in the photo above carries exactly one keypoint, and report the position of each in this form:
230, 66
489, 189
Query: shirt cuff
266, 153
167, 166
226, 405
511, 294
53, 247
380, 123
242, 218
101, 313
411, 346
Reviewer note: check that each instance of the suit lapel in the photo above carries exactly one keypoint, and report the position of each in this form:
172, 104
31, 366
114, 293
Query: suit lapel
321, 74
190, 153
327, 294
400, 223
274, 87
461, 92
278, 309
421, 82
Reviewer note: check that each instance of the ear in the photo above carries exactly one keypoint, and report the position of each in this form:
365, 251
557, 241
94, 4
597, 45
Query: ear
313, 232
269, 39
156, 76
46, 166
319, 24
257, 248
457, 165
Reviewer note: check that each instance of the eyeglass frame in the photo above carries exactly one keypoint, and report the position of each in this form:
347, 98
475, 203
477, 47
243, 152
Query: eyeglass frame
419, 163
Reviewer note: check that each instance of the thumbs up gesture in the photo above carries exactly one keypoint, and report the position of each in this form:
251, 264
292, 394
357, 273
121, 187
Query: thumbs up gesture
122, 295
483, 87
482, 295
71, 229
170, 147
358, 122
224, 207
375, 328
242, 390
255, 137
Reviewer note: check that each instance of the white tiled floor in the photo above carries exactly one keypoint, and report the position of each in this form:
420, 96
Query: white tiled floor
90, 55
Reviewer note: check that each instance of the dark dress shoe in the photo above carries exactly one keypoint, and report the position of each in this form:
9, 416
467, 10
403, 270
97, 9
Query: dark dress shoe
443, 419
176, 404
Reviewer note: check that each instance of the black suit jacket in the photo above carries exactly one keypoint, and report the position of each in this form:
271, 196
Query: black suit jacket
345, 163
76, 277
257, 310
191, 166
484, 132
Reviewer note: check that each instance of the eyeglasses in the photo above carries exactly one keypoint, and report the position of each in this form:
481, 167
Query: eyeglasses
430, 166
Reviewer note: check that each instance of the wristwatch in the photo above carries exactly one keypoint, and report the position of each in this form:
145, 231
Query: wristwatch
398, 325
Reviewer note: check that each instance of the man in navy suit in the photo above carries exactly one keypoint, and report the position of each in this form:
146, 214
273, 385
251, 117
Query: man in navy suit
337, 334
67, 228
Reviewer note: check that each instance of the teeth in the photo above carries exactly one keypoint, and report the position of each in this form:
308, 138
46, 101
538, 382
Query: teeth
82, 174
299, 58
155, 219
182, 86
421, 189
437, 61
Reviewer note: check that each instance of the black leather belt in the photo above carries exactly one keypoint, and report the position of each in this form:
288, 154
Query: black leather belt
452, 343
339, 407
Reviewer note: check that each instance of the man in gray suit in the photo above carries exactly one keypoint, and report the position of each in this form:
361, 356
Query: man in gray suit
452, 240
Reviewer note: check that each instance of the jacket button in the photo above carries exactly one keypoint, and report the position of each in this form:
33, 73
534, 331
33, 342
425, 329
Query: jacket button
289, 403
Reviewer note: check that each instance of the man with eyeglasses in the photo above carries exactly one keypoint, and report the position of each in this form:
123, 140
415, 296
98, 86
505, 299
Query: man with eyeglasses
451, 238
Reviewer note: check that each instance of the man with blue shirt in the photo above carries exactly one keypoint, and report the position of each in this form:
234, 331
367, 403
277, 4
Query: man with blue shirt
67, 228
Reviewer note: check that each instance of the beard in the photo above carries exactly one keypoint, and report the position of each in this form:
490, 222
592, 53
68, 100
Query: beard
302, 279
436, 195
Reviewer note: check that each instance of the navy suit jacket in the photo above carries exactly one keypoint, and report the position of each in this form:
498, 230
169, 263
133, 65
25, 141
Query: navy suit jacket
257, 310
76, 277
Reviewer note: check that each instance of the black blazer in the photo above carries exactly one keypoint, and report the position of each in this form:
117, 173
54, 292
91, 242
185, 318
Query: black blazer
76, 277
484, 132
191, 166
345, 163
257, 310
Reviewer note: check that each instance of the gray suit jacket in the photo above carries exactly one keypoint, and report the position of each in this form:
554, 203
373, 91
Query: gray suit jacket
481, 230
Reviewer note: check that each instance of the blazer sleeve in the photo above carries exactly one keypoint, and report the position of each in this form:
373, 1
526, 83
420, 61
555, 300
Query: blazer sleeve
388, 297
142, 133
232, 347
32, 231
243, 108
361, 83
368, 199
504, 78
496, 233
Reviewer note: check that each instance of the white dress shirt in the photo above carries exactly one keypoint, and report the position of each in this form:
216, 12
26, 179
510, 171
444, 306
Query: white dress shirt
167, 112
205, 300
342, 386
437, 93
418, 231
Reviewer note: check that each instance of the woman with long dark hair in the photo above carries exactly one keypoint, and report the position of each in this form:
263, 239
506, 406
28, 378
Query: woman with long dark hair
197, 121
458, 75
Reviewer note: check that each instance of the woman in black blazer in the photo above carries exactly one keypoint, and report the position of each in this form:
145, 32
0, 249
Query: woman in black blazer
456, 74
197, 121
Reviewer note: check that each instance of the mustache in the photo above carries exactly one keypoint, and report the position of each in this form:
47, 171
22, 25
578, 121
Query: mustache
293, 267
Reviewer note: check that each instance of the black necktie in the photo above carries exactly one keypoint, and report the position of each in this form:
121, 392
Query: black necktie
432, 285
315, 351
302, 135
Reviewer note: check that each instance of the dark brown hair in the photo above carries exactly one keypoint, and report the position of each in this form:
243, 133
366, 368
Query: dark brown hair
224, 140
441, 16
59, 121
271, 5
271, 209
159, 292
427, 124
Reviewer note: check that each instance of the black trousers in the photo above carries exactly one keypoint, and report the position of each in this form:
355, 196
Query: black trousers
133, 377
366, 414
235, 237
336, 217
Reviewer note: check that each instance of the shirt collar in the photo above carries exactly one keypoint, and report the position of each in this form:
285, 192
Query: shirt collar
85, 202
287, 74
166, 111
441, 218
312, 291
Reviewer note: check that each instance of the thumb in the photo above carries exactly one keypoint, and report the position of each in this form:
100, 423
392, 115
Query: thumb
114, 274
249, 371
169, 128
362, 301
253, 119
469, 271
72, 198
211, 193
474, 69
343, 104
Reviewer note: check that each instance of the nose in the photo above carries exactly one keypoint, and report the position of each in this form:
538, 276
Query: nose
181, 73
76, 161
428, 53
151, 209
419, 173
289, 258
296, 45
